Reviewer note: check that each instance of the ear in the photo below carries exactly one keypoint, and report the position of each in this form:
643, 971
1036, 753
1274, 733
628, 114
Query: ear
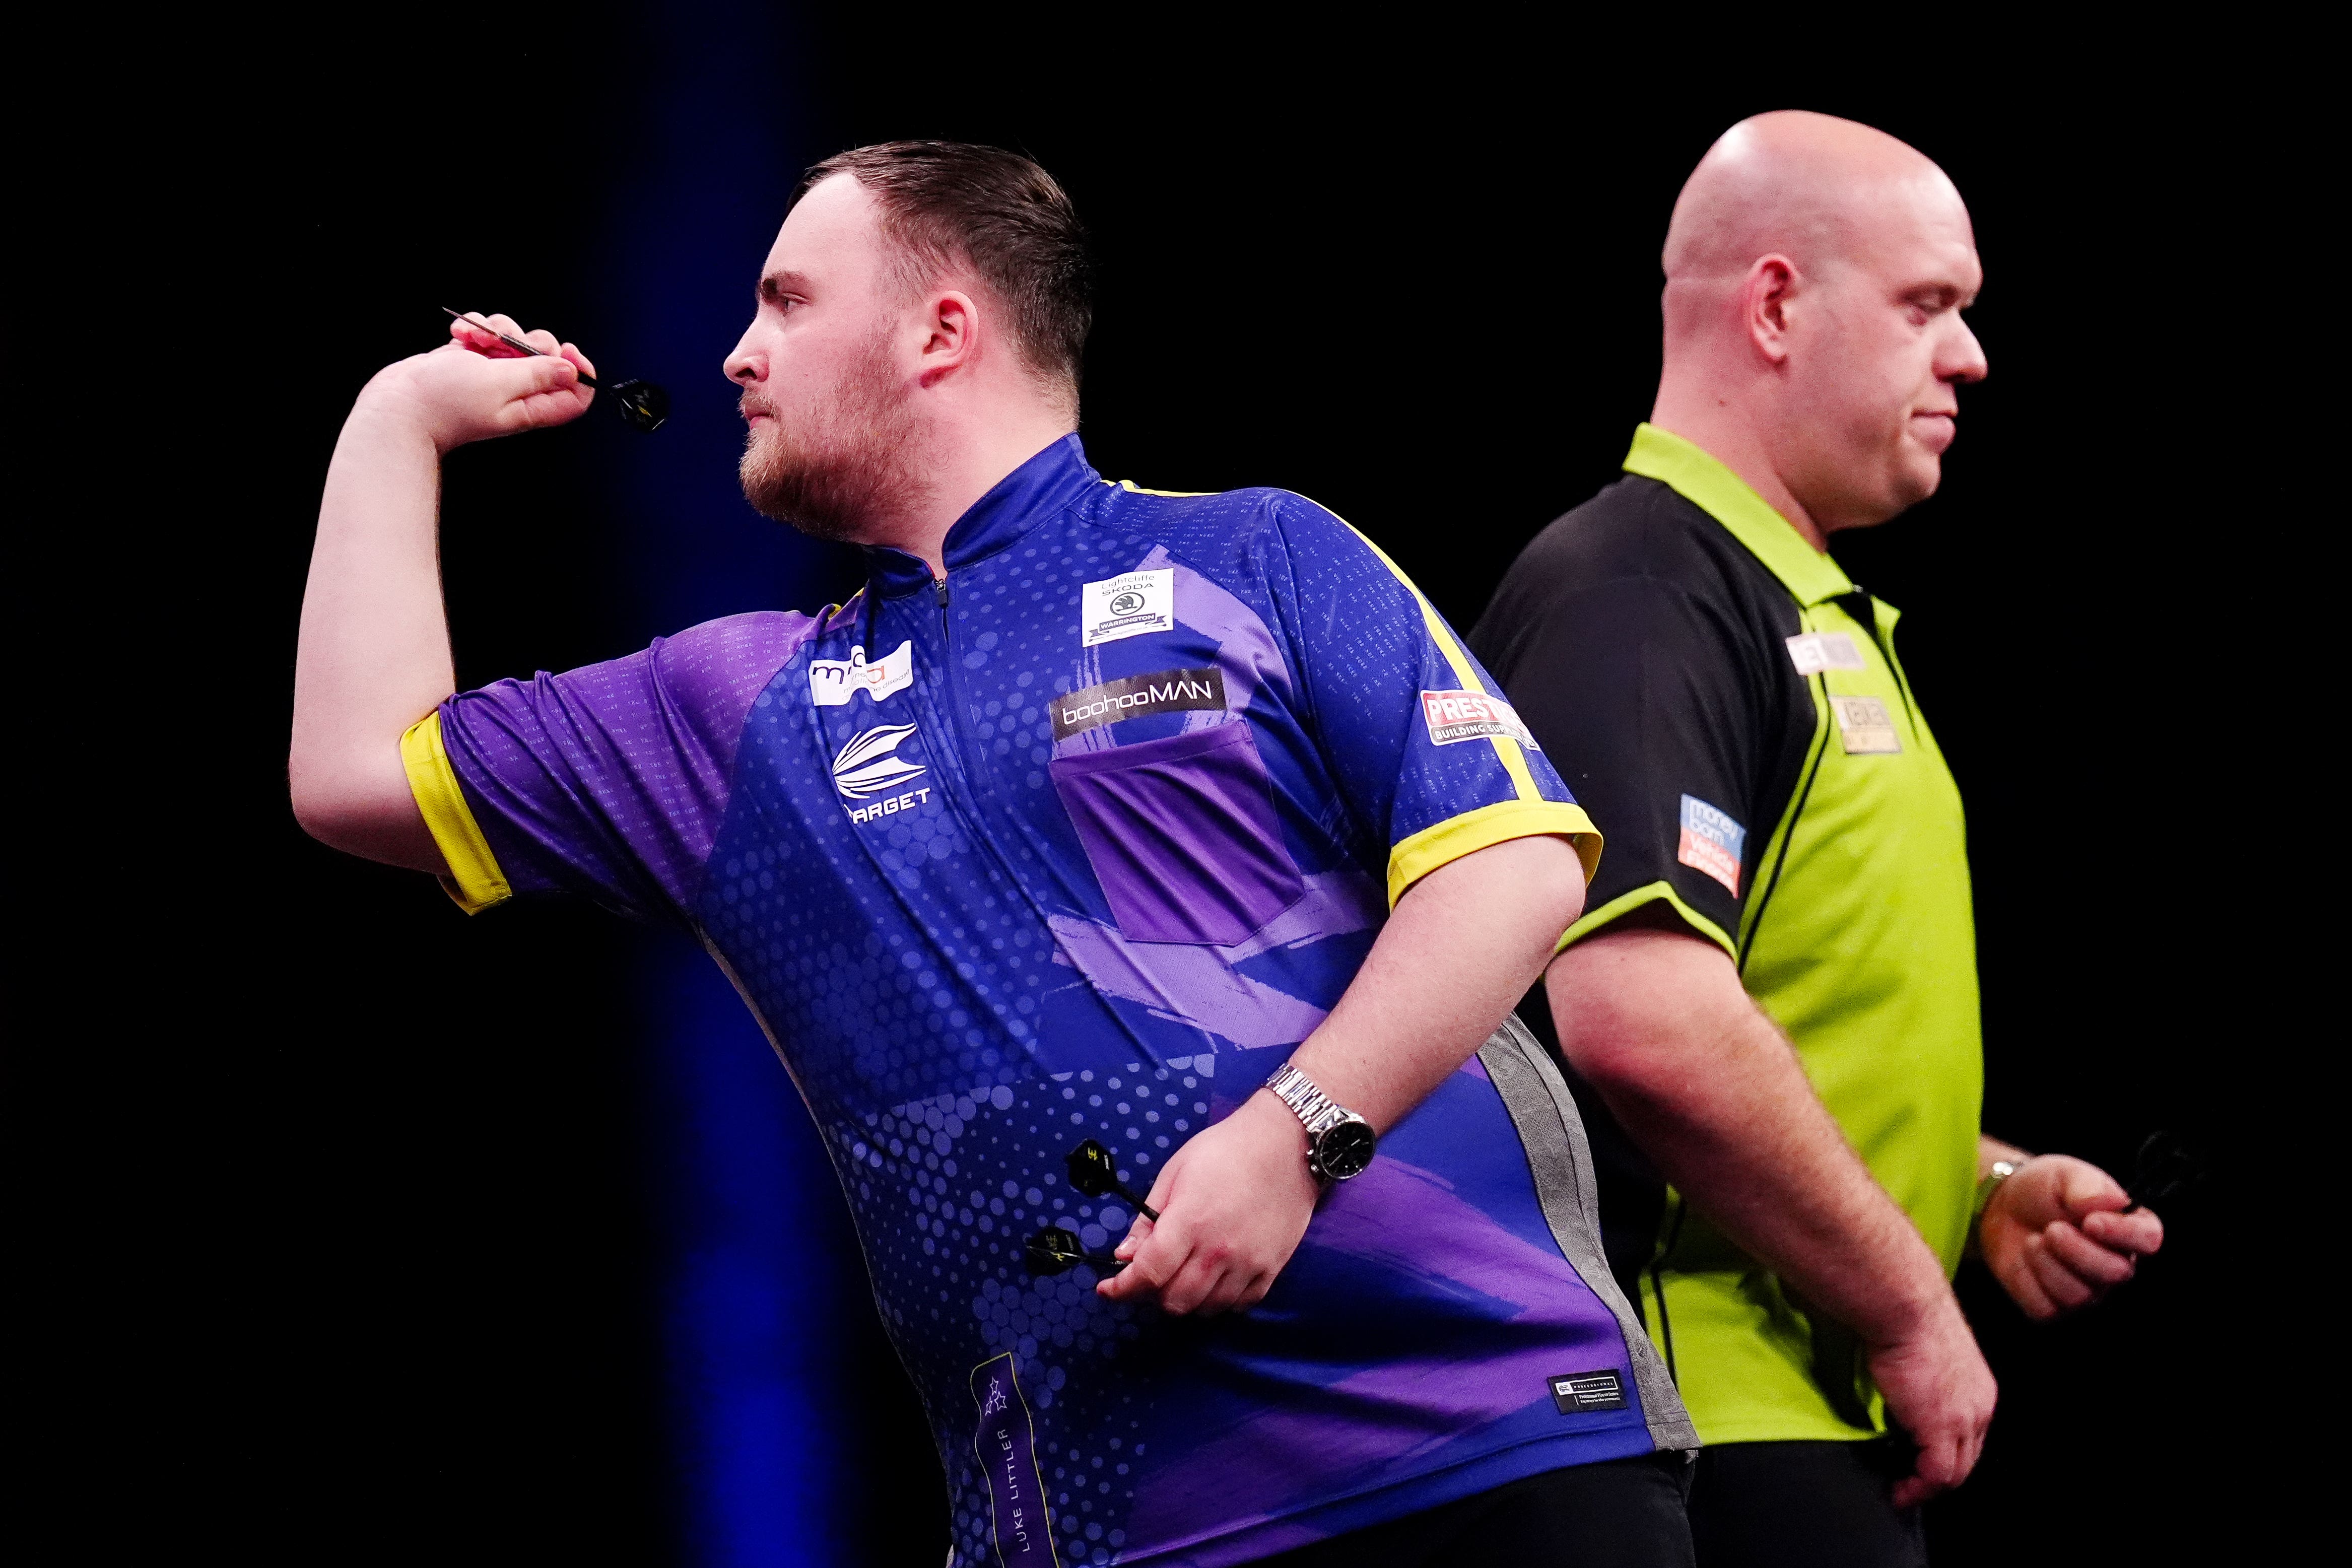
951, 334
1764, 298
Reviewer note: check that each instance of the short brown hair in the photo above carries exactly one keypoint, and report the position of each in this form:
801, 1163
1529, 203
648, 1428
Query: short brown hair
948, 203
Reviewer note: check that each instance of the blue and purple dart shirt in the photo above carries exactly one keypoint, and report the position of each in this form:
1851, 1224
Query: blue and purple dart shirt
1082, 842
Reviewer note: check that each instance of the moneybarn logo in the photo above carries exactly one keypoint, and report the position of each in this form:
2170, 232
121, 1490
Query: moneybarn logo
869, 766
1712, 842
1457, 716
1163, 691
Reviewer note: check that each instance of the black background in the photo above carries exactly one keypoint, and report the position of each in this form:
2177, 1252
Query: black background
339, 1211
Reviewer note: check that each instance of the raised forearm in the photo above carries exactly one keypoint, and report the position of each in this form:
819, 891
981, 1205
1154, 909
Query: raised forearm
1460, 949
374, 650
1706, 1085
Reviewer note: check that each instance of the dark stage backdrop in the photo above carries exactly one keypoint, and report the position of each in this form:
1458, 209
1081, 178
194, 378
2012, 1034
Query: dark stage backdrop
363, 1232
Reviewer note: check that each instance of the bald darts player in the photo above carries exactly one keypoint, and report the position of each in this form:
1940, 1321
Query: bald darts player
1787, 866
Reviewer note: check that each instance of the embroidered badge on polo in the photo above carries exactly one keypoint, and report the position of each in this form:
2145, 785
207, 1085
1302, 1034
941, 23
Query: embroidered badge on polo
1711, 843
1817, 651
1128, 605
833, 681
1865, 727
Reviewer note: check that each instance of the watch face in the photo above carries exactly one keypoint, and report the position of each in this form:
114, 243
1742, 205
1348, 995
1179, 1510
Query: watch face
1345, 1150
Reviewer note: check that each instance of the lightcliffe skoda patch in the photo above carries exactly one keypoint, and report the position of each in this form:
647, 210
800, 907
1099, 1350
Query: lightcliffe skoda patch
1579, 1392
1128, 605
1711, 843
1163, 691
1457, 716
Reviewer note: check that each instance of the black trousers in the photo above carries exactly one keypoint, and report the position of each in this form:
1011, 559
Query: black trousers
1626, 1513
1803, 1505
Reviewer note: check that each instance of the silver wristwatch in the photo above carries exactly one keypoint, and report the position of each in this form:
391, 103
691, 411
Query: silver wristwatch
1339, 1143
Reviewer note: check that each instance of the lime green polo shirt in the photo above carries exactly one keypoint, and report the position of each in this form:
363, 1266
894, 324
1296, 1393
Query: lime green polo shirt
1728, 707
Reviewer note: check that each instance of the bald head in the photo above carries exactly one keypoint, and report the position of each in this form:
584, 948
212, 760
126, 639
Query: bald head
1815, 273
1811, 187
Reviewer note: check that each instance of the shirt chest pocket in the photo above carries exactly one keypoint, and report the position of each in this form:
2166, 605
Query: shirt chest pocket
1183, 835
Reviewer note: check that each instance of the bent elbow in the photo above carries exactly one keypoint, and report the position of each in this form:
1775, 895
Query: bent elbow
340, 808
319, 809
1610, 1059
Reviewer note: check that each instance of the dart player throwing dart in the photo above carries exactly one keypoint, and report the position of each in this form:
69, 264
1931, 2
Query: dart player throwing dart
1177, 822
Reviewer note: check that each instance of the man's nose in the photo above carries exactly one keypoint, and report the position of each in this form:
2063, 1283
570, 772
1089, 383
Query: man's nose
746, 364
1963, 358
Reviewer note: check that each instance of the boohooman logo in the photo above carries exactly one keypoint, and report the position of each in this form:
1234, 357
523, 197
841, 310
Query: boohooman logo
1162, 691
870, 766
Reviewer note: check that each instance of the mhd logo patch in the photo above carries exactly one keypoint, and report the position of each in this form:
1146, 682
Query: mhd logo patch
833, 681
1711, 843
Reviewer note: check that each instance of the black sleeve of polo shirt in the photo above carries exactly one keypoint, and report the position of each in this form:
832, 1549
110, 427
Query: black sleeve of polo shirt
1644, 694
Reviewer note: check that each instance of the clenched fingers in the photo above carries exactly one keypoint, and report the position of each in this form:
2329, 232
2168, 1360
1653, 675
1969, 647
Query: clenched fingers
2140, 1231
2101, 1268
482, 334
2059, 1283
2023, 1288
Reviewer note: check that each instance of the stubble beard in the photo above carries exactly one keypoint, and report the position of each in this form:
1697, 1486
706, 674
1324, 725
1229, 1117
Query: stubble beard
848, 468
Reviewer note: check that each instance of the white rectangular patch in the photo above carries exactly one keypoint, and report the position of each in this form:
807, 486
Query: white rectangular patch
1865, 727
833, 681
1128, 605
1818, 651
1457, 716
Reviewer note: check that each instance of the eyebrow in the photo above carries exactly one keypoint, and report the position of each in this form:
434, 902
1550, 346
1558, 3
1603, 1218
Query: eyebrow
776, 285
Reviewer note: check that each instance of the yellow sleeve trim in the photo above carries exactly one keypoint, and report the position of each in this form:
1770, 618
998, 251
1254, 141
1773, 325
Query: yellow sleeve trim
1515, 762
1626, 903
474, 880
1470, 831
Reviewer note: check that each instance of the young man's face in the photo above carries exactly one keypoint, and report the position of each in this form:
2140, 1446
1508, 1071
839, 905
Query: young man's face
1878, 359
829, 445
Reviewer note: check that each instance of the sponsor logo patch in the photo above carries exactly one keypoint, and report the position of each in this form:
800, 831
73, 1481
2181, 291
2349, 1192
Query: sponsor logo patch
1164, 691
1581, 1392
1865, 727
1457, 716
833, 681
1711, 843
1817, 651
1127, 605
870, 766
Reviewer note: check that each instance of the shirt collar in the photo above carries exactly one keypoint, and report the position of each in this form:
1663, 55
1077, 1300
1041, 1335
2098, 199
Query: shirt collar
1040, 487
1691, 473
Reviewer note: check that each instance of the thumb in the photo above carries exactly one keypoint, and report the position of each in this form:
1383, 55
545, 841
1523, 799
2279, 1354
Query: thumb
1138, 1233
550, 373
2087, 1189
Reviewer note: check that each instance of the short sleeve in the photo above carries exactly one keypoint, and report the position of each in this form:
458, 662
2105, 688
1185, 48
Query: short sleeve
607, 782
1425, 749
1643, 696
